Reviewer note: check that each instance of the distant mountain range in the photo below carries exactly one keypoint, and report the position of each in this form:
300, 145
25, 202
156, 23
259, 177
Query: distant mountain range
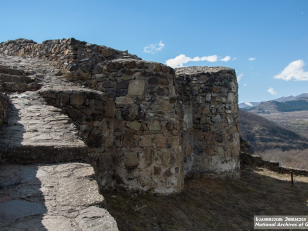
281, 99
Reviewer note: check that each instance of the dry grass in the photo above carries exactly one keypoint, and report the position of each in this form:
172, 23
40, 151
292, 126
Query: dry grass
296, 121
212, 204
292, 158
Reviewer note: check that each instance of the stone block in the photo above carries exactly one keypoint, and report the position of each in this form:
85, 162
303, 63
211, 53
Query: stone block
123, 100
131, 160
128, 140
221, 153
231, 98
148, 154
165, 106
154, 125
160, 141
146, 141
136, 87
122, 84
208, 97
64, 100
76, 99
135, 125
165, 158
110, 109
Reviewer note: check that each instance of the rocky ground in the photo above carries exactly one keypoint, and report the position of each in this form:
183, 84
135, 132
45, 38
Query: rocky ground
213, 204
51, 197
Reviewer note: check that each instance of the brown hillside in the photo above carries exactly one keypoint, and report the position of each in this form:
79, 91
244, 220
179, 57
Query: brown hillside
264, 134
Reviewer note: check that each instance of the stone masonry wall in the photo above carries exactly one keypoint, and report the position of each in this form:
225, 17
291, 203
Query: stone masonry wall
132, 128
68, 55
3, 109
143, 122
211, 120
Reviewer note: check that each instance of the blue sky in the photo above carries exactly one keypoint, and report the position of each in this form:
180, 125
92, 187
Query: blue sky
265, 41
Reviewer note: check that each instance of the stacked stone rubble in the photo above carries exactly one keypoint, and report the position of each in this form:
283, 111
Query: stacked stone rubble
211, 120
69, 55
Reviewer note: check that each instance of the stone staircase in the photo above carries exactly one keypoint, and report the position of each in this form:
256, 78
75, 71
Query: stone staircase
45, 194
36, 132
17, 80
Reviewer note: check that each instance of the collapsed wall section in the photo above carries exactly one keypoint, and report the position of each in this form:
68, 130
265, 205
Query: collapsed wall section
68, 55
211, 120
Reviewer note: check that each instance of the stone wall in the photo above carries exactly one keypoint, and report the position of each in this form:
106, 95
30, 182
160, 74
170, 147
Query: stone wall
3, 109
210, 121
132, 125
69, 55
144, 122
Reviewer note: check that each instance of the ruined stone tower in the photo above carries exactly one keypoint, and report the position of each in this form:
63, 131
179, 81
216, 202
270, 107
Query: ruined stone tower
143, 125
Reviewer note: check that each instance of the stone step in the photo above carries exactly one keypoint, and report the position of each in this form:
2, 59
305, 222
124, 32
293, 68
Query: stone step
43, 153
20, 86
52, 197
13, 71
17, 78
37, 133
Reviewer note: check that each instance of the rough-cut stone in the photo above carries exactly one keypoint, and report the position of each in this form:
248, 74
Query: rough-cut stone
124, 100
136, 87
131, 160
76, 99
154, 125
146, 141
134, 125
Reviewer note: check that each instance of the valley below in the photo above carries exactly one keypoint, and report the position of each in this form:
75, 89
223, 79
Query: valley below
296, 121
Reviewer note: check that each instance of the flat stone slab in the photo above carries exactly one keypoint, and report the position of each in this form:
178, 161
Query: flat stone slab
52, 197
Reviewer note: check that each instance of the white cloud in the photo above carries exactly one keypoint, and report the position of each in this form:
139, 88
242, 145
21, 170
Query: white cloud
153, 48
251, 59
178, 61
234, 58
182, 59
239, 77
272, 91
226, 59
293, 71
245, 85
211, 58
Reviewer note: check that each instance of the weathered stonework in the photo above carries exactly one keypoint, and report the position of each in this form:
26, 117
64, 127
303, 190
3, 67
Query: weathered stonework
3, 109
146, 125
210, 121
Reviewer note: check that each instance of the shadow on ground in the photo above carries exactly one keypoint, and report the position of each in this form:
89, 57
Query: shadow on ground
21, 200
212, 204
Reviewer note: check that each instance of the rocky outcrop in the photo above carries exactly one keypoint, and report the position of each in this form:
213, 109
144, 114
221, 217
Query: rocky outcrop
144, 125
